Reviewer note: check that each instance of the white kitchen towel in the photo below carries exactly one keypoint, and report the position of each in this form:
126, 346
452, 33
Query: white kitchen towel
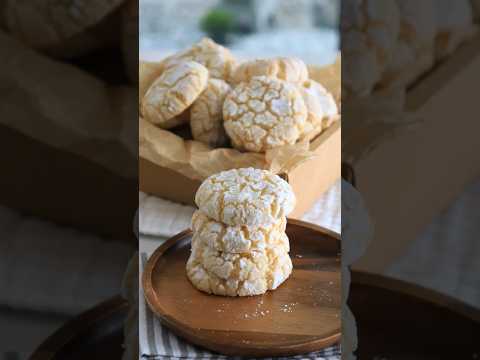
157, 342
74, 276
164, 218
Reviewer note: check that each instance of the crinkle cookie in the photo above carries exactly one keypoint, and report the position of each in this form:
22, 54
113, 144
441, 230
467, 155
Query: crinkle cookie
217, 59
288, 69
407, 65
173, 92
246, 274
238, 239
247, 196
414, 51
206, 117
360, 68
370, 30
321, 106
148, 72
264, 113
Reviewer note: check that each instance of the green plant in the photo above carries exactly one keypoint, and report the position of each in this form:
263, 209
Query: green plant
217, 23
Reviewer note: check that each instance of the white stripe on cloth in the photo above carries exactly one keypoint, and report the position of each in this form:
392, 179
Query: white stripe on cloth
70, 261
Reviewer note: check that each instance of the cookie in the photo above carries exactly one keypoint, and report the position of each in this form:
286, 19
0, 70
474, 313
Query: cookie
148, 72
370, 29
377, 20
173, 92
321, 106
414, 51
264, 113
288, 69
245, 197
206, 117
238, 239
217, 59
360, 68
476, 9
246, 274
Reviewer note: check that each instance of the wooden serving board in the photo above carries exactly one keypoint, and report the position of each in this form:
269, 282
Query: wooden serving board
397, 320
96, 334
422, 325
302, 315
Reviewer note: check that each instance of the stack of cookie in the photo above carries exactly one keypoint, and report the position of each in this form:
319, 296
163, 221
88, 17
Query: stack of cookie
239, 245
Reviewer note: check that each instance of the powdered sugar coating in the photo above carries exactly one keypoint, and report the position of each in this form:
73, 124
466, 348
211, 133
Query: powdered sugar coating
238, 239
217, 59
321, 106
247, 196
288, 69
148, 72
264, 113
414, 51
246, 274
370, 30
360, 68
173, 92
206, 117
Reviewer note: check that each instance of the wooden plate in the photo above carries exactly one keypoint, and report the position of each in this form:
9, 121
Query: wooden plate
426, 325
399, 321
301, 316
95, 334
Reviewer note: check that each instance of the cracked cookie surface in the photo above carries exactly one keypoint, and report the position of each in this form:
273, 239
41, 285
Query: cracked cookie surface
217, 59
206, 117
288, 69
247, 274
148, 72
173, 92
321, 106
414, 51
370, 30
247, 196
238, 239
264, 113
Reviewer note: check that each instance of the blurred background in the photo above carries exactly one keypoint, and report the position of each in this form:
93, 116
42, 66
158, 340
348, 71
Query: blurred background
251, 28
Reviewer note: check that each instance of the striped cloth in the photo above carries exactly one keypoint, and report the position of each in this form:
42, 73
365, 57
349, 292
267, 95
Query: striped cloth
157, 342
160, 219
